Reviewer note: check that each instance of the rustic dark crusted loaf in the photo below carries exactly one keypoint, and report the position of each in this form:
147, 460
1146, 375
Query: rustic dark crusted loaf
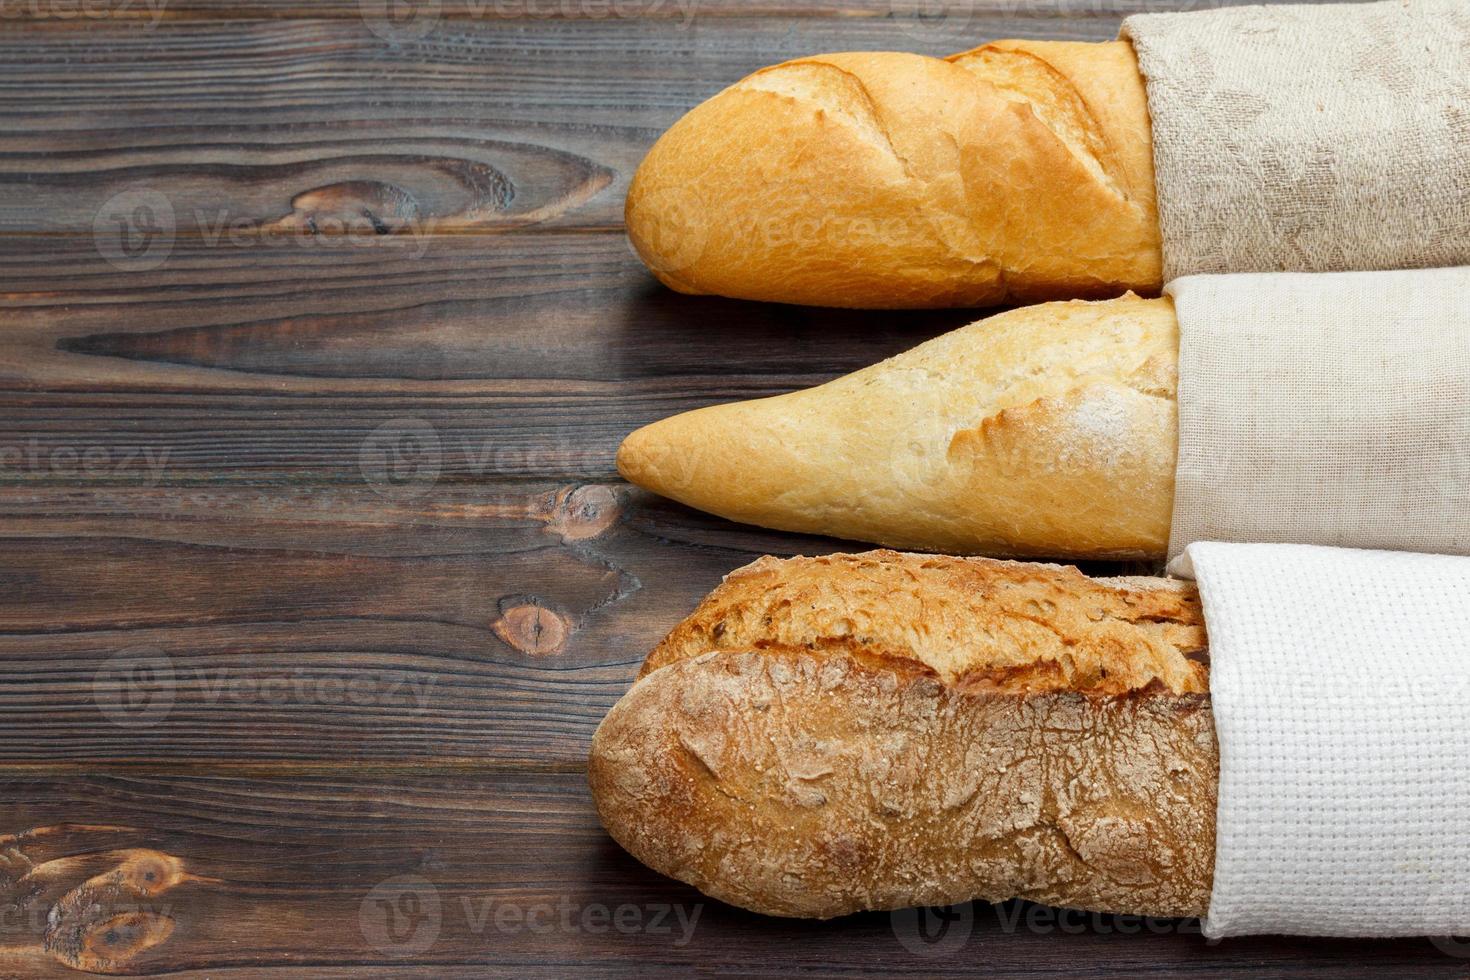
827, 735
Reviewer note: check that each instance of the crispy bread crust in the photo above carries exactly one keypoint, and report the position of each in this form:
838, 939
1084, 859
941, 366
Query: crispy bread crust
1019, 171
1047, 431
830, 753
975, 624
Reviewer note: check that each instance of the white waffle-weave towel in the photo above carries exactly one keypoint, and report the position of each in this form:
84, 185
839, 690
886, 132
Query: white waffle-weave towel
1329, 408
1310, 137
1340, 683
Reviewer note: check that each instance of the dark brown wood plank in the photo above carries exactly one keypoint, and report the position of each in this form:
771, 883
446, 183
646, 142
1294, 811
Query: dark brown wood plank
314, 626
521, 356
313, 571
922, 13
263, 127
398, 872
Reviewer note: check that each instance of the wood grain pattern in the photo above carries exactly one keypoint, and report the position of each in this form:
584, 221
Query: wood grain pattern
895, 12
502, 115
260, 127
228, 626
237, 626
515, 356
319, 334
507, 872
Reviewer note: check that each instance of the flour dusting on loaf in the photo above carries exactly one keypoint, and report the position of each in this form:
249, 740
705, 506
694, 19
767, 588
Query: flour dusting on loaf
1047, 431
828, 752
972, 623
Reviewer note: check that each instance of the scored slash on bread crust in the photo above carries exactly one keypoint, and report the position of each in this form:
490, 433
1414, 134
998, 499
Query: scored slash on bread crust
828, 735
1049, 431
1019, 171
975, 624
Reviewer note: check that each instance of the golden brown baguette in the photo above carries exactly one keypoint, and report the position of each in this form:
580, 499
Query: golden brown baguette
829, 735
1019, 171
1048, 431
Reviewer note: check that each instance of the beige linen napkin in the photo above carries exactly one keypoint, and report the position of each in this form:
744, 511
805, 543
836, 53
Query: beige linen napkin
1329, 408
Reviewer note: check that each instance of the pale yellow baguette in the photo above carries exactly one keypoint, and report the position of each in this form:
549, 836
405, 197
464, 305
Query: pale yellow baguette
1019, 171
830, 735
1047, 431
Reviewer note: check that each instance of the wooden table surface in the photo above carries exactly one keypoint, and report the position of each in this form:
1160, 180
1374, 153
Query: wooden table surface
320, 331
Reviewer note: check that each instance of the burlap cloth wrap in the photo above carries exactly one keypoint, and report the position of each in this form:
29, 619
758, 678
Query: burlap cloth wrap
1310, 138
